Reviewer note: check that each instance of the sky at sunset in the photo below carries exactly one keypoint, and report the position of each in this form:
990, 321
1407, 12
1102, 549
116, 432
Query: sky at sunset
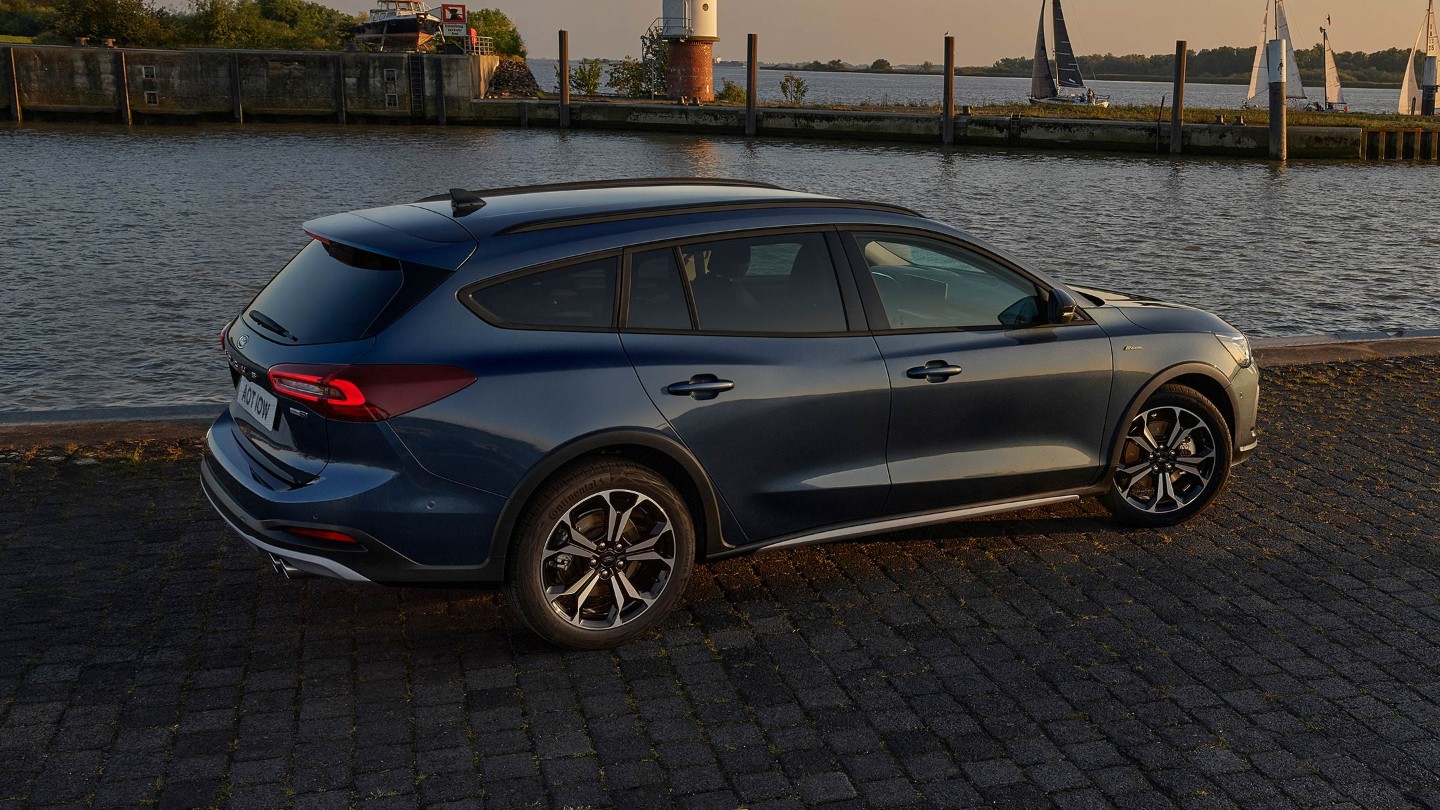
910, 31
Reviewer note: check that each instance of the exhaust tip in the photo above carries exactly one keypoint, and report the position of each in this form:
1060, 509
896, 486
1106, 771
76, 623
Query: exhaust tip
283, 566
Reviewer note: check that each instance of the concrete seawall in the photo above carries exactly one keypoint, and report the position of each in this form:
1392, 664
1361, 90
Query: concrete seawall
157, 87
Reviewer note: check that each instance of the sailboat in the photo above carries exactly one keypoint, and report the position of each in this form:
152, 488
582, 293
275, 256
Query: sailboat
1070, 89
1334, 93
1259, 76
1412, 99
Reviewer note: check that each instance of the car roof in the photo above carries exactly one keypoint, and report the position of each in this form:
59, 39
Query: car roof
520, 209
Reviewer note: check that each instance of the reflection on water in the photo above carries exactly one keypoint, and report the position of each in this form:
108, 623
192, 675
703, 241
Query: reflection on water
124, 251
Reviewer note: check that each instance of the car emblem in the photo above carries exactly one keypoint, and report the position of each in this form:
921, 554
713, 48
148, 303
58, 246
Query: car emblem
242, 340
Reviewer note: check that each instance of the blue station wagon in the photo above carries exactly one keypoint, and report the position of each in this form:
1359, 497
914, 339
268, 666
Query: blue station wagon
579, 391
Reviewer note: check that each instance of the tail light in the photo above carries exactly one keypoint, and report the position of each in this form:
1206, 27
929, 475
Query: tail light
224, 332
367, 393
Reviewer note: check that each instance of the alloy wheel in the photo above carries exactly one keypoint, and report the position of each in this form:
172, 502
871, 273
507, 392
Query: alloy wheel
1168, 462
608, 559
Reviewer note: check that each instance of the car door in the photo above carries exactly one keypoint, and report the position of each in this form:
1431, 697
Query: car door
745, 345
989, 401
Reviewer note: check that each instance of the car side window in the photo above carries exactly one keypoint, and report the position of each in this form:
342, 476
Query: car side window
576, 296
929, 284
657, 294
781, 284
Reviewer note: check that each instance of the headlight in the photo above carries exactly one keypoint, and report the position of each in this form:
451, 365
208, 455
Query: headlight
1239, 348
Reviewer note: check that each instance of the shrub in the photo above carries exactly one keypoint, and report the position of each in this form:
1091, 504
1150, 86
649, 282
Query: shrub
731, 93
794, 88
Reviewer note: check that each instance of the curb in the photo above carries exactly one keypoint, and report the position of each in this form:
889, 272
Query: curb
171, 422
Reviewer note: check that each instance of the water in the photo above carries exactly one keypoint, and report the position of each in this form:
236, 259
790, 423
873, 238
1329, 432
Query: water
826, 88
123, 252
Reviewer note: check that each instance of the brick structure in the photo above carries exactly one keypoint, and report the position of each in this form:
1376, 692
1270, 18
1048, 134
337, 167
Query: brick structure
692, 73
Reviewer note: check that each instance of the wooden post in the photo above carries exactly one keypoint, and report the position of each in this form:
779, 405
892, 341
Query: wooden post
1177, 107
1364, 144
752, 85
440, 90
236, 102
1279, 121
340, 88
564, 79
947, 125
14, 89
122, 88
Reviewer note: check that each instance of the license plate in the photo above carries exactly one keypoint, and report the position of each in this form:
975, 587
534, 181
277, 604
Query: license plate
258, 402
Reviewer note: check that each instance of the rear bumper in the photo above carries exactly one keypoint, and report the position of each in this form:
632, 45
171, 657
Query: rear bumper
412, 528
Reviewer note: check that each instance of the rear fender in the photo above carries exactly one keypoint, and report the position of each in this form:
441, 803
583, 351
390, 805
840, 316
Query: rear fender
712, 526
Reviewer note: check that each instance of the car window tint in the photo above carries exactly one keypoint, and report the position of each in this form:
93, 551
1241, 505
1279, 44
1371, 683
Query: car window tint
657, 296
771, 285
581, 295
928, 284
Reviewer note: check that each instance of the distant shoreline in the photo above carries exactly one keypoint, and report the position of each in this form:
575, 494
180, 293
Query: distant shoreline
983, 73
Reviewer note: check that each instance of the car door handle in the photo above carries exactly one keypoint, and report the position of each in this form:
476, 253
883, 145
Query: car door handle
701, 386
935, 371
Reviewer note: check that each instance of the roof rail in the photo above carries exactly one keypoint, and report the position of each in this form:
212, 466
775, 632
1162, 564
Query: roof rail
700, 208
582, 185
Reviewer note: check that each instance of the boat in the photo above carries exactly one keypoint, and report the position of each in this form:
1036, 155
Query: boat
1260, 75
1069, 88
397, 24
1412, 95
1334, 93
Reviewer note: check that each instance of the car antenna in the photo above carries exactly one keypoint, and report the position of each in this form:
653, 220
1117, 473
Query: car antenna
464, 202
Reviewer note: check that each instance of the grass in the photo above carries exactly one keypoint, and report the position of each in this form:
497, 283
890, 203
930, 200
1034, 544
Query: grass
10, 39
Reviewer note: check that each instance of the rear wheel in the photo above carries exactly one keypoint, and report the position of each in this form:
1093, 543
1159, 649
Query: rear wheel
602, 554
1176, 459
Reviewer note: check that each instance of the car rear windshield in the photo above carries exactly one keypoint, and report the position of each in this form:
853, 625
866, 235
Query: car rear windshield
331, 293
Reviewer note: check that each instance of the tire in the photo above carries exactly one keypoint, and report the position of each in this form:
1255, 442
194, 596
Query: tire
574, 584
1196, 467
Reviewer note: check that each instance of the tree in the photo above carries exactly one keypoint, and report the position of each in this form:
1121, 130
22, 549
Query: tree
132, 22
647, 76
881, 65
927, 66
25, 18
493, 23
836, 64
794, 88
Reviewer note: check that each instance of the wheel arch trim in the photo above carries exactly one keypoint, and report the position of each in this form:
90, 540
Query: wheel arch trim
598, 442
1165, 377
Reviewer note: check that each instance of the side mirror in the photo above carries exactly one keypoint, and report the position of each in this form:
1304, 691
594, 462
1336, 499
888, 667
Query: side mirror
1060, 307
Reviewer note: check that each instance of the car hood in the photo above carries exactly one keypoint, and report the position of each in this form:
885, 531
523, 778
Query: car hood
1154, 315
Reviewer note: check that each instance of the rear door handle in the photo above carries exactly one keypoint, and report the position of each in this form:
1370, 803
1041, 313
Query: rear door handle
935, 371
701, 386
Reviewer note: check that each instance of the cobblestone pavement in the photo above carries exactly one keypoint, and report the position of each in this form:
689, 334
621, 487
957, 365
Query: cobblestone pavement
1283, 650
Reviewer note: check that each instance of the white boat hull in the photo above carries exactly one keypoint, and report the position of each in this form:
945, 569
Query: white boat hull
1073, 101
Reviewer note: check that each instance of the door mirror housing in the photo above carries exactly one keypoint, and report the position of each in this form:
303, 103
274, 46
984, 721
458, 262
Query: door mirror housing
1060, 308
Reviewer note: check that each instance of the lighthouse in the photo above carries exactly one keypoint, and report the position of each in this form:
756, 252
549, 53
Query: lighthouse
690, 29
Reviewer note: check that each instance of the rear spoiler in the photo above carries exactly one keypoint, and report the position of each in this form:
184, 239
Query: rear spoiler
405, 232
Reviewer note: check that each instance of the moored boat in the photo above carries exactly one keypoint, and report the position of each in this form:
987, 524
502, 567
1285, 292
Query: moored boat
1260, 87
398, 25
1065, 85
1416, 99
1334, 92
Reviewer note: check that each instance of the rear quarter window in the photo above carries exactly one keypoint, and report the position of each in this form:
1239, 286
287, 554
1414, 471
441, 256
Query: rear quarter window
577, 296
332, 293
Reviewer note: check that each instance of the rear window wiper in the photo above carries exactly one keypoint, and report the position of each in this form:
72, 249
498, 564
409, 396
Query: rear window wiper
270, 323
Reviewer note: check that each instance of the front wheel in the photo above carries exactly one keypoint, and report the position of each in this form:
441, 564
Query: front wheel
601, 555
1175, 460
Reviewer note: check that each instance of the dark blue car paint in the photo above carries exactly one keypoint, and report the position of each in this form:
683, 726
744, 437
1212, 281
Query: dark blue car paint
826, 423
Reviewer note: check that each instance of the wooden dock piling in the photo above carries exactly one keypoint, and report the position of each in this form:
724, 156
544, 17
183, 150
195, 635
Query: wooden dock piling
564, 79
339, 88
15, 112
947, 123
237, 104
1177, 107
122, 88
752, 85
